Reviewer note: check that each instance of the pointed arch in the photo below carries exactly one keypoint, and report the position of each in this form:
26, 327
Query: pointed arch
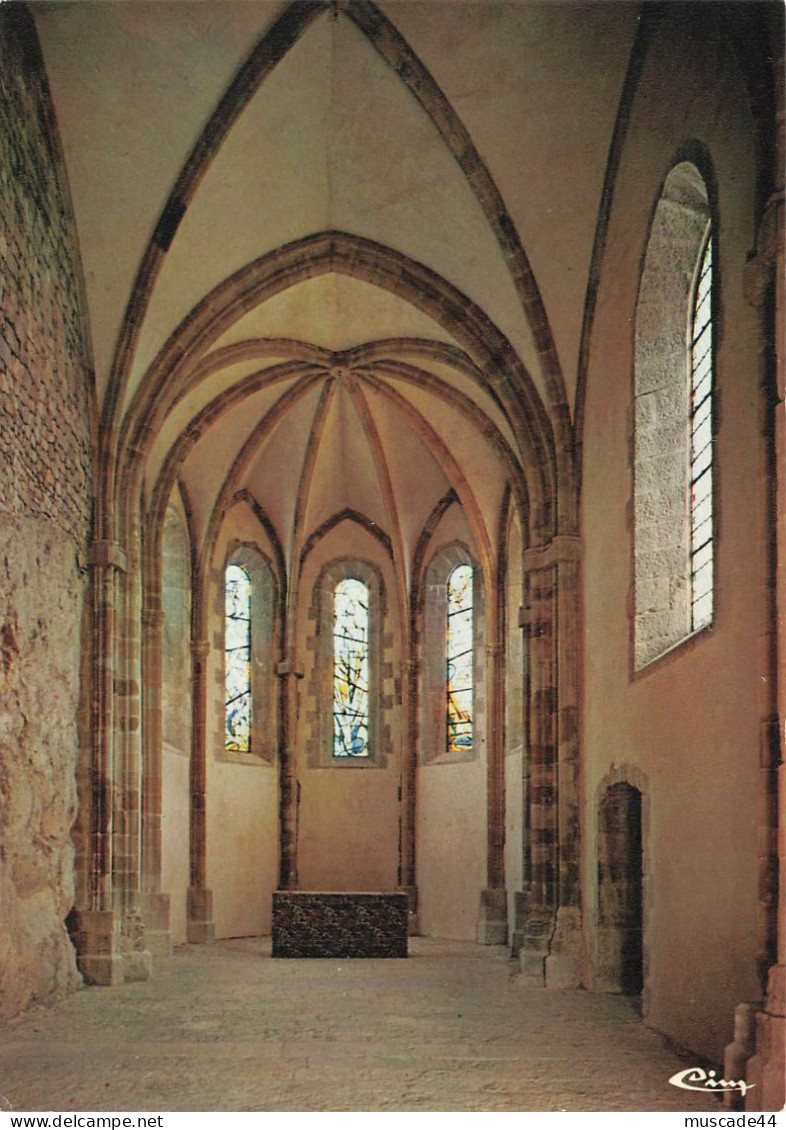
346, 515
498, 365
391, 46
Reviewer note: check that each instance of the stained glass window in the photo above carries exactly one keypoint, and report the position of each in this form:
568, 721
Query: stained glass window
460, 659
237, 660
350, 669
701, 548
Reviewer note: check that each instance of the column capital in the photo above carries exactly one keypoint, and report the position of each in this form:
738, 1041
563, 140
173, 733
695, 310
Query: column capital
108, 554
562, 548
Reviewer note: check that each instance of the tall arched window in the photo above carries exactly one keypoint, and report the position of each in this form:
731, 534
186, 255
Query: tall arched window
350, 691
237, 660
701, 550
453, 650
460, 655
351, 669
673, 466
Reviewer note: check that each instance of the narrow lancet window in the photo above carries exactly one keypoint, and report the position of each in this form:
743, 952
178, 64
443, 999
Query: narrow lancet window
674, 425
350, 669
460, 656
701, 523
237, 660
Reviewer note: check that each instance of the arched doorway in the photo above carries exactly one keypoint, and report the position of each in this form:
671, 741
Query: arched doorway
620, 885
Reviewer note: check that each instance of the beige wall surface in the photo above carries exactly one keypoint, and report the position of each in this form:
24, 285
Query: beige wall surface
451, 837
175, 800
684, 729
242, 846
242, 789
348, 832
451, 809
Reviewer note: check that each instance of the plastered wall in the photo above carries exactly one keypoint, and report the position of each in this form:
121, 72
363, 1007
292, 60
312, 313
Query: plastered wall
176, 718
685, 728
44, 509
242, 789
451, 825
348, 832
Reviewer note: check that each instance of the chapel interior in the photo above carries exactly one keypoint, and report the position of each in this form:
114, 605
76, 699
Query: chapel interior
392, 489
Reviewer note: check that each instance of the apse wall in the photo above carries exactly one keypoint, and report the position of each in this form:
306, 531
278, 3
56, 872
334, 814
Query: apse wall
451, 792
685, 728
176, 705
44, 515
348, 817
241, 788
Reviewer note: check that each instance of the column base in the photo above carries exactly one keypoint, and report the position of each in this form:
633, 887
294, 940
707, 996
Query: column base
138, 965
105, 970
765, 1072
200, 927
493, 917
563, 964
534, 930
155, 911
413, 921
105, 956
737, 1053
519, 919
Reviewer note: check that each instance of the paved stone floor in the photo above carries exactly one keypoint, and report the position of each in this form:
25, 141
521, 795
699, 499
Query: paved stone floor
224, 1027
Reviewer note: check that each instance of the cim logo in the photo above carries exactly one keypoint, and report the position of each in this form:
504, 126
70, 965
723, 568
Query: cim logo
707, 1081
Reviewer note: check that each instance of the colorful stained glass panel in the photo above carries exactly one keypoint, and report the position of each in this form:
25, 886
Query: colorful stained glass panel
350, 669
460, 659
237, 659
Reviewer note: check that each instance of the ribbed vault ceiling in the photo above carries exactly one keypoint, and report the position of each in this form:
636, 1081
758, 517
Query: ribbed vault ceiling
466, 139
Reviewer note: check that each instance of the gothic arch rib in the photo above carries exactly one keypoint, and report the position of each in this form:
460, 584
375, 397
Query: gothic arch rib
395, 50
313, 444
345, 515
391, 46
285, 32
502, 371
629, 88
193, 432
384, 480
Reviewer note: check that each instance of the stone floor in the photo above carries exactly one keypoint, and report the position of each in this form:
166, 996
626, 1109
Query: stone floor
224, 1027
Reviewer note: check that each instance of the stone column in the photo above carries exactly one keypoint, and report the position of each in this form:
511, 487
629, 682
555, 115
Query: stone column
548, 930
760, 1028
127, 824
108, 932
155, 904
493, 918
518, 926
564, 963
96, 929
290, 675
200, 927
539, 904
408, 800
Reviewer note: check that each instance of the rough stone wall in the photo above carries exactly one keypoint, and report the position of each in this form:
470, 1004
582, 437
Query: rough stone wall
662, 416
44, 517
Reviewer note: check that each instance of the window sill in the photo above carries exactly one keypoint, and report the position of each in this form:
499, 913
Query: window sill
683, 646
236, 758
462, 758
